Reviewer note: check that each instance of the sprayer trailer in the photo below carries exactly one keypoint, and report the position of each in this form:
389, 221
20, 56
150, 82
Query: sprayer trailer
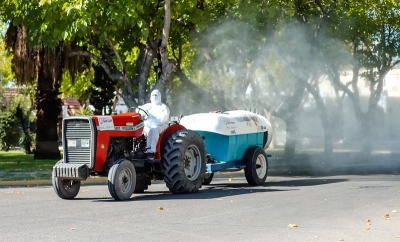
188, 152
233, 139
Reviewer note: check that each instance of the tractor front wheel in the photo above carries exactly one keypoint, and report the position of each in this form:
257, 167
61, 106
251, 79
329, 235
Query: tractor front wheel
65, 188
122, 180
256, 166
184, 162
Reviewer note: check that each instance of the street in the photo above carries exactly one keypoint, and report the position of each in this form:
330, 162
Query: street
332, 208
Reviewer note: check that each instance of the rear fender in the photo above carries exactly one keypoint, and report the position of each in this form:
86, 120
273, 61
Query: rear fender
164, 138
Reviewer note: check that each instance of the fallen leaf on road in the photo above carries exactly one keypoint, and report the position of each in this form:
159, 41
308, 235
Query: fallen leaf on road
341, 239
386, 216
160, 208
72, 228
232, 201
19, 192
366, 228
398, 237
368, 220
292, 225
28, 185
394, 211
85, 190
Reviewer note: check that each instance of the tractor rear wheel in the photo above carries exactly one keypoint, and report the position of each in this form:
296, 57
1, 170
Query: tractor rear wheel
122, 180
65, 188
256, 166
184, 162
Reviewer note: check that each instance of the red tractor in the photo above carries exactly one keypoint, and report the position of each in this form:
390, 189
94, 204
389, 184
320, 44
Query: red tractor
200, 144
114, 146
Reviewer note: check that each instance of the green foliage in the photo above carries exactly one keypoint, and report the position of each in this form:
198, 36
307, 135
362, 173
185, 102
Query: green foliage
6, 74
23, 122
9, 130
102, 91
79, 88
15, 118
83, 111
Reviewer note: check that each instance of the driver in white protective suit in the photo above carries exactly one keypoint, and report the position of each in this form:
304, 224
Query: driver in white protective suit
156, 123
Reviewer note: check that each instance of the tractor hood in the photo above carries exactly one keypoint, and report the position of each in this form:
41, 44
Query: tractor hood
228, 123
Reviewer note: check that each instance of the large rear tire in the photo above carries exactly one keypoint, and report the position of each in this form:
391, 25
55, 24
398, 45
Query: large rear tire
184, 162
65, 188
122, 180
256, 166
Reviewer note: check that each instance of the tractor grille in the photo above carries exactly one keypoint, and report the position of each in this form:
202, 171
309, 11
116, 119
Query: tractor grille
79, 140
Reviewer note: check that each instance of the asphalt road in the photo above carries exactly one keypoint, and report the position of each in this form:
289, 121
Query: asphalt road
335, 208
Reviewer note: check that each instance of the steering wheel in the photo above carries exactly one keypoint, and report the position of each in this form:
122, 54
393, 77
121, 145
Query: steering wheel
147, 114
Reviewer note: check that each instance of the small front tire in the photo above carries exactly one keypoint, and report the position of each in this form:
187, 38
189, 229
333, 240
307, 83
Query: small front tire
65, 188
122, 180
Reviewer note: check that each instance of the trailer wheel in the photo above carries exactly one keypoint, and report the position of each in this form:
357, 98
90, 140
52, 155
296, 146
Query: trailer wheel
208, 178
256, 166
65, 188
122, 180
184, 162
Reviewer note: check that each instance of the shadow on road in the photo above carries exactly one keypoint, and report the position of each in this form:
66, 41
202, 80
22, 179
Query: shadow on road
305, 182
225, 190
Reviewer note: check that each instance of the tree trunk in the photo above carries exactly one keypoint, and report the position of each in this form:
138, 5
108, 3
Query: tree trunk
48, 106
323, 114
290, 144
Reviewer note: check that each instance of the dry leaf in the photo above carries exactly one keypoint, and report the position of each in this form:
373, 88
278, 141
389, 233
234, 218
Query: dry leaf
368, 220
72, 228
394, 211
85, 190
292, 225
19, 192
232, 201
28, 185
160, 208
398, 237
341, 239
386, 216
366, 228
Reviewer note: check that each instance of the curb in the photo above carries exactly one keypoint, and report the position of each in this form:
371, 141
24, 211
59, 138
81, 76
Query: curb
99, 180
31, 183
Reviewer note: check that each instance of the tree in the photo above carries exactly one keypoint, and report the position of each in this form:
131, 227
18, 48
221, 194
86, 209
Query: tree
102, 91
43, 66
372, 31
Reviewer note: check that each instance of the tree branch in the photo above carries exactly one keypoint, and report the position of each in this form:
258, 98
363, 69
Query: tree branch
117, 55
